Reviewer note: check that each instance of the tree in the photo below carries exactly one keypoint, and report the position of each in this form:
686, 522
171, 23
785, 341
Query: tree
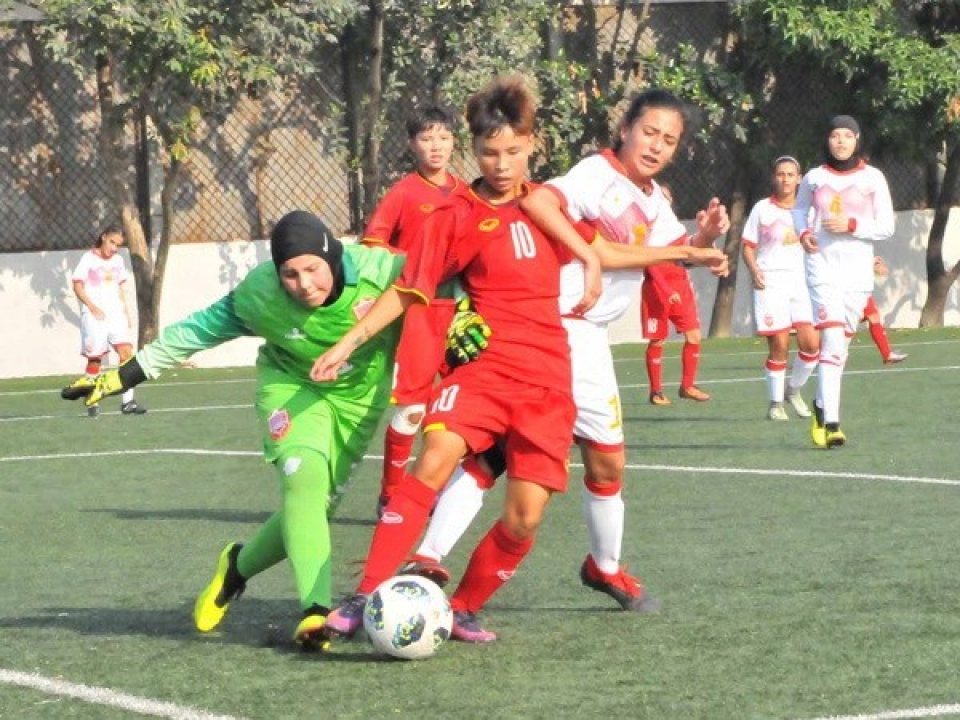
906, 55
173, 63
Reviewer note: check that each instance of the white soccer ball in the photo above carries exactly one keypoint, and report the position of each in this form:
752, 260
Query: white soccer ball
408, 617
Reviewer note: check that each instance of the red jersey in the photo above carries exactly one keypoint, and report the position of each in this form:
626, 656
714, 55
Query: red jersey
510, 270
402, 210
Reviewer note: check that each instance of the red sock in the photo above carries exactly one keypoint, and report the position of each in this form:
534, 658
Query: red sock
494, 561
689, 359
401, 525
655, 367
879, 335
397, 448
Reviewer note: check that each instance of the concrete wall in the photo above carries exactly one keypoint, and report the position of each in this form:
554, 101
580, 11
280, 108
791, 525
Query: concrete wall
39, 315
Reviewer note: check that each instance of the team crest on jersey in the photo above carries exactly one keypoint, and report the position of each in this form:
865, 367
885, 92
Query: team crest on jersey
363, 307
488, 225
278, 424
427, 208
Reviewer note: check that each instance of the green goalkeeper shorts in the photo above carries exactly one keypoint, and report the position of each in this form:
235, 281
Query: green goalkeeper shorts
296, 414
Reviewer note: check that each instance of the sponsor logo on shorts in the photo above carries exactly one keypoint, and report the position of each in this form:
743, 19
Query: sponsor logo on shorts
505, 574
278, 424
768, 320
821, 314
488, 225
391, 518
362, 307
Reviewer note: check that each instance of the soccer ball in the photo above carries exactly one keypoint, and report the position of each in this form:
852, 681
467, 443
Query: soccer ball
408, 617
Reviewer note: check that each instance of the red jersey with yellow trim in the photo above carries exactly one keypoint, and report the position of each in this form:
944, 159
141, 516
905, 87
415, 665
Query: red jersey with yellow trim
511, 272
403, 209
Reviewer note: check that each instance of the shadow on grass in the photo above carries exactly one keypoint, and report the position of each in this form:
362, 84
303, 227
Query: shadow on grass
211, 514
252, 623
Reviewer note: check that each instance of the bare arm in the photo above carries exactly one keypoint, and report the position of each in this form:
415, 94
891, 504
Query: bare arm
614, 256
81, 293
712, 222
750, 258
388, 307
543, 207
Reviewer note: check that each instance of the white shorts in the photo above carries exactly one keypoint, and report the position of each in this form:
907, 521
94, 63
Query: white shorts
98, 336
834, 306
784, 302
595, 389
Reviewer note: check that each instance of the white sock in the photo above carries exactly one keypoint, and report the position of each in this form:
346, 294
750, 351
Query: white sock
801, 372
604, 516
775, 382
456, 508
833, 358
126, 397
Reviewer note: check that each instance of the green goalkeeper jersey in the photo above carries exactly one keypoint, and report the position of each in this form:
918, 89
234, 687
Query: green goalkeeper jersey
295, 336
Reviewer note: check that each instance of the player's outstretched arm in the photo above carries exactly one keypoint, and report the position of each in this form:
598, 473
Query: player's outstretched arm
388, 307
543, 207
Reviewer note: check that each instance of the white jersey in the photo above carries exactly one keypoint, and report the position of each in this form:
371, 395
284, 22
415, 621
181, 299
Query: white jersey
862, 194
101, 281
598, 191
770, 230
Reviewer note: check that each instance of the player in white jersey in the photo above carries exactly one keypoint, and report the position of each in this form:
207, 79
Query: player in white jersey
843, 207
105, 317
781, 301
614, 192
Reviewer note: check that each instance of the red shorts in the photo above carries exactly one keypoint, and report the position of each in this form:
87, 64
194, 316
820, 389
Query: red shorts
421, 350
656, 313
534, 424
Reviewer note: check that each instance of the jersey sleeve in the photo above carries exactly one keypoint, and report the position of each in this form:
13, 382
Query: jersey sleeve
385, 220
431, 256
883, 223
579, 191
80, 271
751, 229
802, 206
202, 330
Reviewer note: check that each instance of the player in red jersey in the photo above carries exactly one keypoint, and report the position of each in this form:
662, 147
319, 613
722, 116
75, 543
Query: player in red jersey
871, 316
394, 222
517, 392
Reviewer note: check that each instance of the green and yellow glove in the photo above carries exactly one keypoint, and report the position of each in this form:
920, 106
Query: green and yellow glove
466, 336
111, 382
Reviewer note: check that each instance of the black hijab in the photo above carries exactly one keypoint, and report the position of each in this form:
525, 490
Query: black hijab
847, 122
303, 233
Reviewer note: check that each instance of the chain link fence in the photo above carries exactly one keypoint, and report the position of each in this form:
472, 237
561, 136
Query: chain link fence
287, 150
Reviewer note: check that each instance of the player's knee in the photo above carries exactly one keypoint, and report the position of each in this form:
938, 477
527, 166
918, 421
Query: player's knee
833, 344
407, 418
522, 519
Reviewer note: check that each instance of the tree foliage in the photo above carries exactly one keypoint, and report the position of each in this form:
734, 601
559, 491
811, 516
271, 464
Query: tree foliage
174, 63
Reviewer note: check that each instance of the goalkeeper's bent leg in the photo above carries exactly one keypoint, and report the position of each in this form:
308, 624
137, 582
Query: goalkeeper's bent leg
305, 475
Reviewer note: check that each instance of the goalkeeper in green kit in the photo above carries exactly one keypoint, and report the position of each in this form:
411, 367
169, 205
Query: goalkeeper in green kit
300, 304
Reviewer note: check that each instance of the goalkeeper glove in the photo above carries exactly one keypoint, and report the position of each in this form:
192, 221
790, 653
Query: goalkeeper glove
466, 336
112, 382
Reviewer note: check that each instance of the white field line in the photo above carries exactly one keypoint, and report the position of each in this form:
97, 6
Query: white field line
106, 696
922, 712
759, 351
682, 469
711, 381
